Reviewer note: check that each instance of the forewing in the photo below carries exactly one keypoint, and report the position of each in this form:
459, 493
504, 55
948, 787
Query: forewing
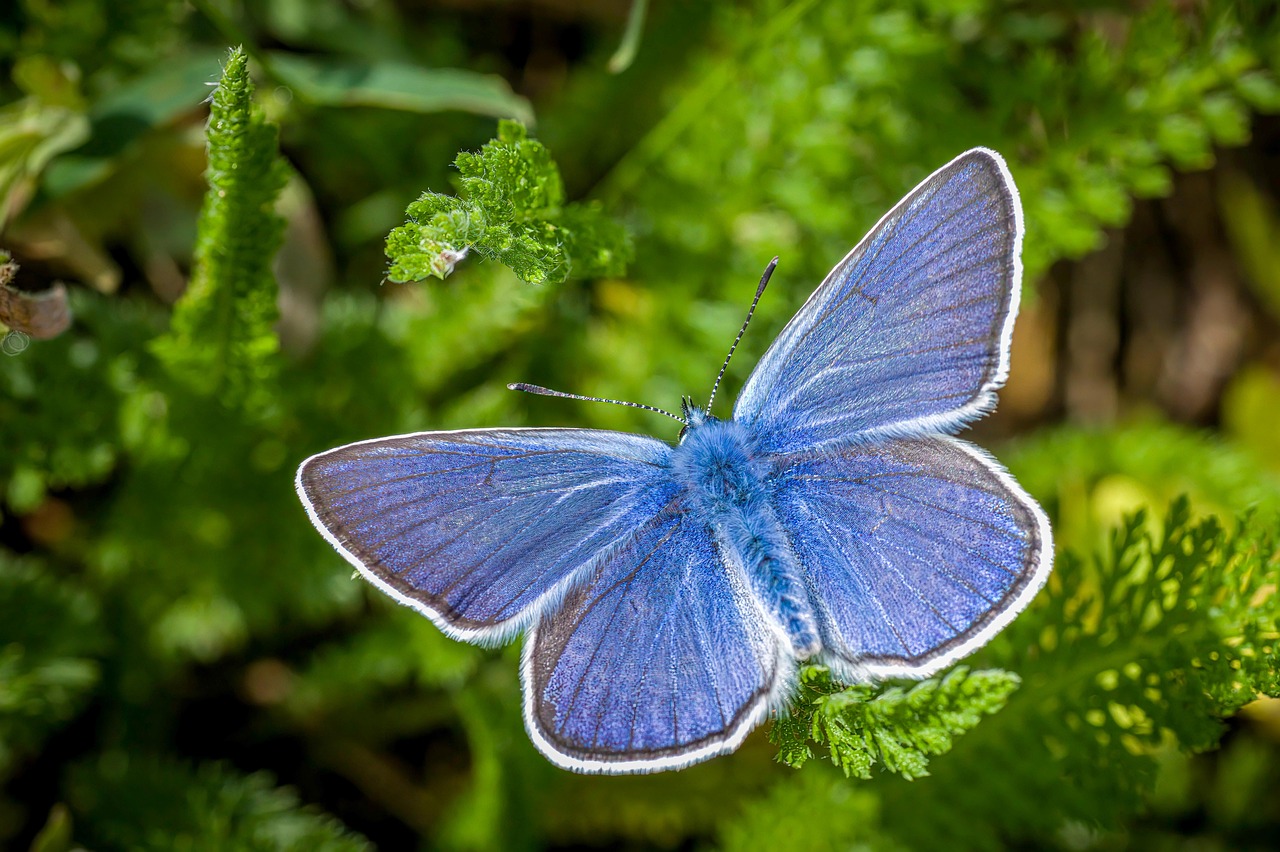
917, 550
481, 529
910, 332
662, 659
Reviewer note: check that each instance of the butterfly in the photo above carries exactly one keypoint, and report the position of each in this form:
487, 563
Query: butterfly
669, 592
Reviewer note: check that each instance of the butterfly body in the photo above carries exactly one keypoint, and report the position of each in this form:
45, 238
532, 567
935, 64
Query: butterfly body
667, 593
727, 478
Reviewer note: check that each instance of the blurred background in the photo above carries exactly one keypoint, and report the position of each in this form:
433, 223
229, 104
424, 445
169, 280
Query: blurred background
182, 656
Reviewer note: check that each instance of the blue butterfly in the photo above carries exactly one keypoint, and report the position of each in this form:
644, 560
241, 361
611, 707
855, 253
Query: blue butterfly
668, 592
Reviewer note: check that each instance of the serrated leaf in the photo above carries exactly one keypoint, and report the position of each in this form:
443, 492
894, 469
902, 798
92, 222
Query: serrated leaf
511, 208
1146, 647
899, 728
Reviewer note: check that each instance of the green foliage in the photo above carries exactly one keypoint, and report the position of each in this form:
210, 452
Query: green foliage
55, 440
1147, 647
223, 342
809, 96
32, 132
100, 37
1253, 225
141, 803
512, 209
813, 810
898, 727
397, 85
1191, 610
806, 121
1250, 407
1124, 659
49, 656
626, 52
172, 601
1089, 479
340, 679
56, 834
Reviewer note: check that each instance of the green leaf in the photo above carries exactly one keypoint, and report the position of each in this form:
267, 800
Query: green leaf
127, 112
31, 134
160, 95
511, 209
222, 342
51, 439
330, 81
894, 726
1145, 648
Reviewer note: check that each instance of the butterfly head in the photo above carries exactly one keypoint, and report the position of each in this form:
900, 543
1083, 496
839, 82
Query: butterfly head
693, 416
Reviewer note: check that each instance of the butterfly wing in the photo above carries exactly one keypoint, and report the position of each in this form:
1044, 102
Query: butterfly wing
481, 529
660, 660
910, 332
917, 550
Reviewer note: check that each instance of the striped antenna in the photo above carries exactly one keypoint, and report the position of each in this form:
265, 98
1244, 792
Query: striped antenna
764, 281
541, 391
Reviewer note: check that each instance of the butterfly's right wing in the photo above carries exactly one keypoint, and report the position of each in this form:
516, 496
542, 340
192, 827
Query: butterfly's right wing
483, 529
909, 334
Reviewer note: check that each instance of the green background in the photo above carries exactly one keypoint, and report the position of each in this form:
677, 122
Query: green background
184, 663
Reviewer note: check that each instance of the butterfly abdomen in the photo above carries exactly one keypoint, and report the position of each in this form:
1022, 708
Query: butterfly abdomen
724, 478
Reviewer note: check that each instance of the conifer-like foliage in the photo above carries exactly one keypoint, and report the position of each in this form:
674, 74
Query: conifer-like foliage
222, 340
45, 675
1138, 652
897, 727
185, 663
511, 209
1169, 630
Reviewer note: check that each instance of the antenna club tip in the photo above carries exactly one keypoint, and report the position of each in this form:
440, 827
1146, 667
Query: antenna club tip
513, 386
774, 262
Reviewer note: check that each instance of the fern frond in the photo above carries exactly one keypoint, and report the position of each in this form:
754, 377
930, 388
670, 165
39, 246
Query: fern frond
511, 209
222, 342
1144, 648
1149, 645
895, 726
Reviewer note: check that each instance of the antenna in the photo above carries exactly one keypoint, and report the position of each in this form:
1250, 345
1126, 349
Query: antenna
764, 280
541, 391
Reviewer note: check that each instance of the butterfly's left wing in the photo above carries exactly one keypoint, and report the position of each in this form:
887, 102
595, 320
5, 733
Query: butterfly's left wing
482, 529
910, 333
916, 551
660, 659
